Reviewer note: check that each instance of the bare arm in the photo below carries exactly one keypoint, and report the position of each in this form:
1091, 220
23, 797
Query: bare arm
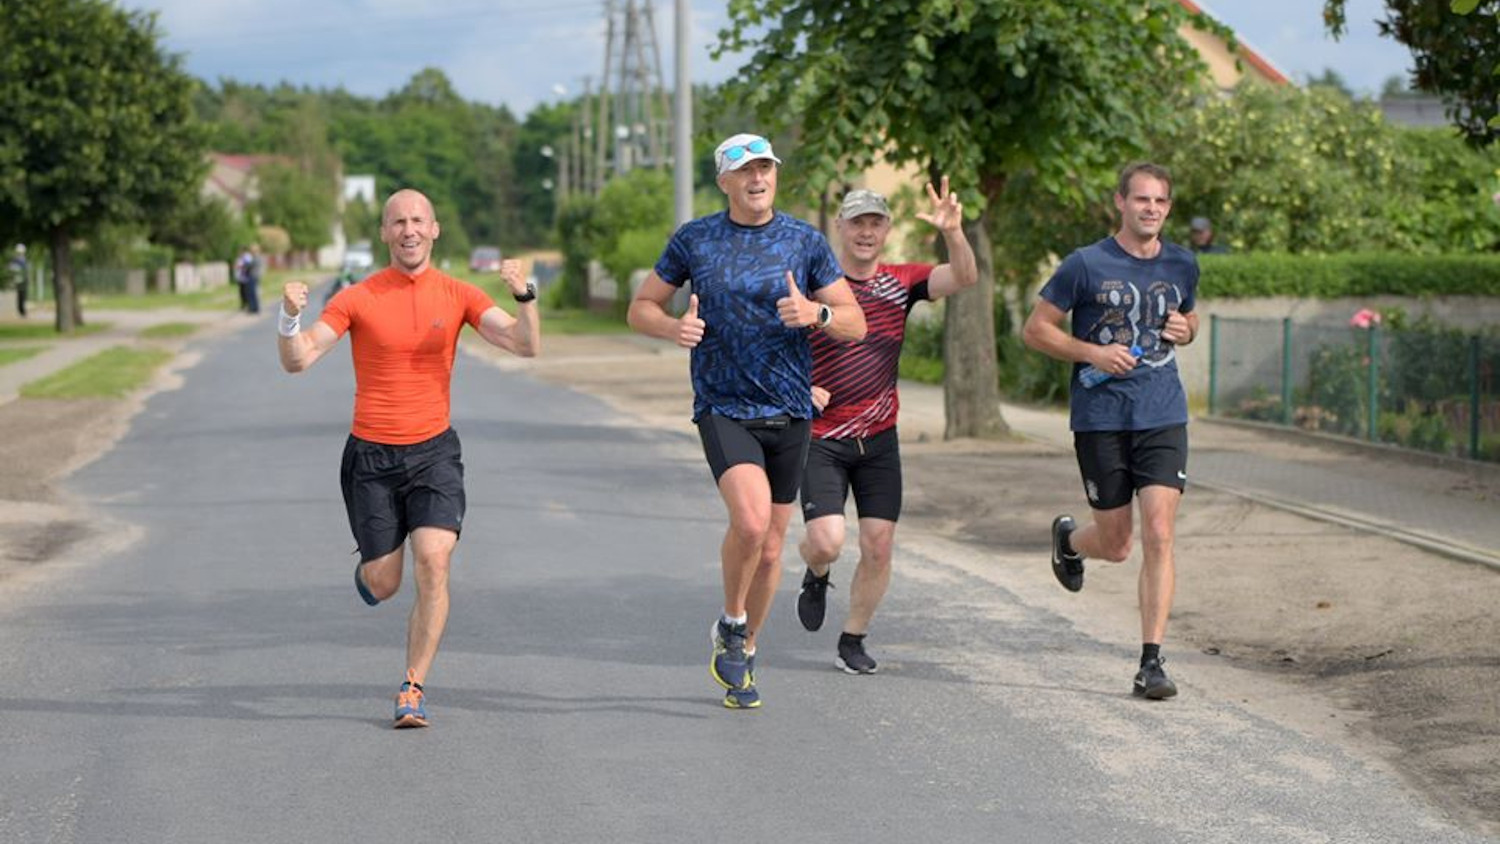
1043, 331
520, 334
648, 314
962, 270
305, 347
1181, 329
848, 323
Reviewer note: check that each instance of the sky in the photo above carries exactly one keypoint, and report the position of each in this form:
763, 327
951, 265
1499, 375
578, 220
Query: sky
520, 53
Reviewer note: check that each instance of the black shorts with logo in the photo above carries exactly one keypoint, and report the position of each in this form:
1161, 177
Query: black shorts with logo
871, 466
391, 490
1115, 464
777, 444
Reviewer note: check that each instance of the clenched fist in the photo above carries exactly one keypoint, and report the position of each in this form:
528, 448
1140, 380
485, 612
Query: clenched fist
294, 297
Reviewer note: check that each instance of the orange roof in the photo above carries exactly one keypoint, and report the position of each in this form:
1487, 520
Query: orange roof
1255, 59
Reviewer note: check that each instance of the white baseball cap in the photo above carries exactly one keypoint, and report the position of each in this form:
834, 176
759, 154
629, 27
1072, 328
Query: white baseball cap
739, 150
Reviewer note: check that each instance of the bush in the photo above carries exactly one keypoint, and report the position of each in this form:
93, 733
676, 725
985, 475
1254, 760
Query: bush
1243, 276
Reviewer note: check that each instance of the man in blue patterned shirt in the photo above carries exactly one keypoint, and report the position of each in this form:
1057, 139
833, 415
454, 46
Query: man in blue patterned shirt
761, 281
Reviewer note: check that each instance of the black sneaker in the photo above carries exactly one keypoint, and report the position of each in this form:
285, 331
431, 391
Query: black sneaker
852, 657
1067, 567
729, 666
812, 601
1152, 683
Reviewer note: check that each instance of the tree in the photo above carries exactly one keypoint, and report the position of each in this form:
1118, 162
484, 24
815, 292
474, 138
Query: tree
301, 202
976, 90
1456, 46
96, 126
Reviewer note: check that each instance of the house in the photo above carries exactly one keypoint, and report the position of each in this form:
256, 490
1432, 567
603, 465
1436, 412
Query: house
231, 179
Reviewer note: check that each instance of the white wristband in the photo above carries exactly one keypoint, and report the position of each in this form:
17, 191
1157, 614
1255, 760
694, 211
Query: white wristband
288, 325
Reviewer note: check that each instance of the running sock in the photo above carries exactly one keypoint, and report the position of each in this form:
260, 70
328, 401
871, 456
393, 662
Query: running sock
1150, 652
733, 620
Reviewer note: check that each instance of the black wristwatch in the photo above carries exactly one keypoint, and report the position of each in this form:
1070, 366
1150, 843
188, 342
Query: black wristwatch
528, 295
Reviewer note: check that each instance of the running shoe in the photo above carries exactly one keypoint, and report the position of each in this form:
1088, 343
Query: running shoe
746, 698
364, 591
812, 601
1152, 683
852, 657
411, 710
728, 665
1068, 567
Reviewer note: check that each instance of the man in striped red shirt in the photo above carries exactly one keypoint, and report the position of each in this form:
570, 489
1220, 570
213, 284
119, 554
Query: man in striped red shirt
854, 442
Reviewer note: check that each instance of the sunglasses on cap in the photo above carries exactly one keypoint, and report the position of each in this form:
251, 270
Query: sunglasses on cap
755, 147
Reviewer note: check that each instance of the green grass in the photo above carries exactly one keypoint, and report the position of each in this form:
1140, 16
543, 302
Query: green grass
169, 330
16, 353
574, 321
113, 373
44, 330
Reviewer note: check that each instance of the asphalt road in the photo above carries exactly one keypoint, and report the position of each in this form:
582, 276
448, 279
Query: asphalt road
215, 677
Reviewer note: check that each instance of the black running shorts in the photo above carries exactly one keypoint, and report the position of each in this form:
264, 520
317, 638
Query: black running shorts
871, 467
1115, 464
777, 444
391, 490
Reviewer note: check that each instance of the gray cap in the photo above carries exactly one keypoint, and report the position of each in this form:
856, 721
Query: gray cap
857, 202
1200, 224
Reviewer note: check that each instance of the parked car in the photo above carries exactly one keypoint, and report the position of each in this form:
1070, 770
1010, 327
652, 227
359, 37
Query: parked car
485, 259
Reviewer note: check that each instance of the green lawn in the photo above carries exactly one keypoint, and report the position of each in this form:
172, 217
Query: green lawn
169, 330
44, 330
16, 353
113, 373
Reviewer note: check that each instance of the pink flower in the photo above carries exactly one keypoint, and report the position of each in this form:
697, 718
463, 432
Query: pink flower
1364, 318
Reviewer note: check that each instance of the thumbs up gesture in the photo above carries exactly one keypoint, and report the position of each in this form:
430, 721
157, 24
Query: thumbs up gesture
794, 309
690, 327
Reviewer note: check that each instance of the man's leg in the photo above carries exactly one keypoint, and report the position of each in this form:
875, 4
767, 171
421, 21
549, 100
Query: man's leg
382, 575
747, 498
1158, 569
822, 540
872, 576
432, 551
1107, 537
767, 574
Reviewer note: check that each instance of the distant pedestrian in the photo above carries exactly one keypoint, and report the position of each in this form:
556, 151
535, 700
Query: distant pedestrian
18, 270
762, 282
1131, 299
403, 474
855, 447
1201, 233
247, 272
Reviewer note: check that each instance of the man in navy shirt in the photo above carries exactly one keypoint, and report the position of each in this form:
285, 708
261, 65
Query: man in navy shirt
1131, 298
761, 282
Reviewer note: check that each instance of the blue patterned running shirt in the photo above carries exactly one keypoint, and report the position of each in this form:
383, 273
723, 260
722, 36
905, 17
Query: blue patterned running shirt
1116, 297
749, 366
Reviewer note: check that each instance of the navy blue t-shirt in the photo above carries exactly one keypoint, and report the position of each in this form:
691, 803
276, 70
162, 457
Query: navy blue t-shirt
1116, 297
749, 366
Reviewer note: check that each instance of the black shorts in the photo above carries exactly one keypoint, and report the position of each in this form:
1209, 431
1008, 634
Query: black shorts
1115, 464
391, 490
777, 444
872, 467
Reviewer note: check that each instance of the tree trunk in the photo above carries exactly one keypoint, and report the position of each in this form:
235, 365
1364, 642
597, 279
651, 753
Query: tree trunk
64, 292
971, 389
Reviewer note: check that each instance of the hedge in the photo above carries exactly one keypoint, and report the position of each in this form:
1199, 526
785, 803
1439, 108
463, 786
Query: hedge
1334, 276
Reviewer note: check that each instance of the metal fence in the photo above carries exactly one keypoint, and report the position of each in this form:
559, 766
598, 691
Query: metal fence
1422, 386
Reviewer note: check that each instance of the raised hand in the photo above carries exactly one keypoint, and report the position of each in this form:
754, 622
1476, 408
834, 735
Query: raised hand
690, 327
510, 270
294, 297
794, 308
947, 212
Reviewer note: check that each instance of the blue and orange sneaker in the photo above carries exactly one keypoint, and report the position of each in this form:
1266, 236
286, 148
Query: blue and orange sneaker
728, 664
410, 708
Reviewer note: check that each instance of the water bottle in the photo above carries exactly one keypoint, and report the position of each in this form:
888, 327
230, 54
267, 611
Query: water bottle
1092, 376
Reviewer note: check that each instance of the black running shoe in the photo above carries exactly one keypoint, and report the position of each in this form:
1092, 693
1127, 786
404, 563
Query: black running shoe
1067, 567
812, 601
729, 665
1152, 683
852, 657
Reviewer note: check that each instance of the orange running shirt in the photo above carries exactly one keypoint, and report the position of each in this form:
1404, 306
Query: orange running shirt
404, 331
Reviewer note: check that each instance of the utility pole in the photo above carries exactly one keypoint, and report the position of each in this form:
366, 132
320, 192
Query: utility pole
682, 119
632, 108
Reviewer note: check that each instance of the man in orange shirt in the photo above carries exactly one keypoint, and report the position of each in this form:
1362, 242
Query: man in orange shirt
402, 471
